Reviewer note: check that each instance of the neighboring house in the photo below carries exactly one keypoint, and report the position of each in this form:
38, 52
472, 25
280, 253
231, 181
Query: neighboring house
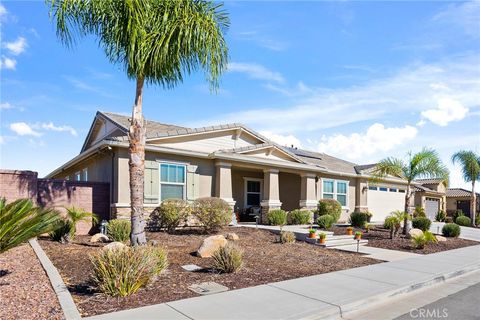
229, 161
459, 199
430, 195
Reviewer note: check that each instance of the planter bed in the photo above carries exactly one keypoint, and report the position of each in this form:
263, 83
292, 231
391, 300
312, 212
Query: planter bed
25, 290
265, 261
380, 238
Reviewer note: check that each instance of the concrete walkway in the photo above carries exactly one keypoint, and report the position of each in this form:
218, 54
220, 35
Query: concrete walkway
378, 253
465, 233
325, 296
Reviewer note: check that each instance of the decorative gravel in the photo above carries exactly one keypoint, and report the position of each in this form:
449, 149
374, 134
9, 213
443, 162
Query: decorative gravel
25, 290
265, 261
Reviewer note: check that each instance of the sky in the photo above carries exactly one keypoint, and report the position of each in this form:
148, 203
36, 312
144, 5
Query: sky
358, 80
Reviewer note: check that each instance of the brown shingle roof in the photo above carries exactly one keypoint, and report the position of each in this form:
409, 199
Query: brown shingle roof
429, 181
459, 192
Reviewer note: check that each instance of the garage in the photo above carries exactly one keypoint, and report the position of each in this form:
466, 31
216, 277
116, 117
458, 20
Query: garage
384, 200
432, 206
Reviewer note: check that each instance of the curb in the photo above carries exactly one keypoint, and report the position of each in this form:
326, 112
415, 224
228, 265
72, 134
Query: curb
67, 304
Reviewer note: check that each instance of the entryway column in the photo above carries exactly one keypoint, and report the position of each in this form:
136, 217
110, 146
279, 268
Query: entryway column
307, 192
223, 182
271, 193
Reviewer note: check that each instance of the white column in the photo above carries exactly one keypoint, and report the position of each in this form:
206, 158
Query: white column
307, 191
223, 182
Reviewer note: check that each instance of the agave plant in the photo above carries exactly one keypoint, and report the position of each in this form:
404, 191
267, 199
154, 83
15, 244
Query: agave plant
65, 229
20, 221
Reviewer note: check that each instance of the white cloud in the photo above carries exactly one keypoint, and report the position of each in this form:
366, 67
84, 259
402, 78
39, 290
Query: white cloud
7, 63
5, 105
376, 139
16, 47
23, 129
465, 15
2, 140
255, 71
447, 110
52, 127
3, 11
283, 140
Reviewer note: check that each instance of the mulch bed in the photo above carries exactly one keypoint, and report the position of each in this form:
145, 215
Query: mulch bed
265, 261
25, 290
380, 238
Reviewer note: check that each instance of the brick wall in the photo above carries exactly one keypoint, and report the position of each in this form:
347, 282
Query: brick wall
58, 194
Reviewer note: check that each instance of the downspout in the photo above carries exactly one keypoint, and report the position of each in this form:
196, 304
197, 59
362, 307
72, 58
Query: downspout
112, 175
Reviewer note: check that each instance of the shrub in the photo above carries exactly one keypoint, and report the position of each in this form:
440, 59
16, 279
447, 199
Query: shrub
451, 230
326, 221
477, 220
331, 207
419, 212
419, 241
123, 271
393, 224
449, 219
170, 214
119, 230
421, 223
458, 213
62, 230
228, 259
369, 216
440, 216
287, 237
299, 216
463, 221
277, 217
212, 213
358, 219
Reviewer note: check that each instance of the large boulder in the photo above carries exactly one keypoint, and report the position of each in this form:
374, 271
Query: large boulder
210, 245
415, 232
232, 236
440, 238
99, 237
114, 245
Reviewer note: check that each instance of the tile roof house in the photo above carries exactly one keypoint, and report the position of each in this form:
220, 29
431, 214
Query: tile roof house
229, 161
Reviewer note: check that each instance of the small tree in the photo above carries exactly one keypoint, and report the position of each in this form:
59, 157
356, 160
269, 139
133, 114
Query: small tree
470, 163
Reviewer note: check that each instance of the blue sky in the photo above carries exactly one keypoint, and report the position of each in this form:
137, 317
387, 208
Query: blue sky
358, 80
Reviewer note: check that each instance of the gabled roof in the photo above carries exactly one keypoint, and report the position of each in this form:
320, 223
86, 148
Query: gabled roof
459, 192
365, 167
323, 160
260, 146
430, 181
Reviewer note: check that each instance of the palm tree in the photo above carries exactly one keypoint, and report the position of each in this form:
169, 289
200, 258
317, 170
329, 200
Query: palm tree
75, 215
21, 221
157, 42
470, 163
424, 164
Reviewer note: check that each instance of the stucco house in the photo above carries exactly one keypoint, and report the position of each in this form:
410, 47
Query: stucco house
228, 161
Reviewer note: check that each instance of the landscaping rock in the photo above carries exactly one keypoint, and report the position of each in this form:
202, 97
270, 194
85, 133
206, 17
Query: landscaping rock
99, 237
210, 245
232, 236
415, 232
114, 245
153, 243
440, 238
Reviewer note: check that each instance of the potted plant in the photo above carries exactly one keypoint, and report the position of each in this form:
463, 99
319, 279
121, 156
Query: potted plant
311, 233
358, 235
322, 237
349, 231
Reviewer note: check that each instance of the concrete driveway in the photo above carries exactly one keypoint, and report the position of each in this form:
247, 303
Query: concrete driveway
466, 232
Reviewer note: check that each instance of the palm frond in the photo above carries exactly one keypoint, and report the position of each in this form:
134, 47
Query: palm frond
427, 164
388, 167
75, 215
470, 164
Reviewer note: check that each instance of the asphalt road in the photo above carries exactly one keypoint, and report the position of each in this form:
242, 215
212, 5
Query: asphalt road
463, 305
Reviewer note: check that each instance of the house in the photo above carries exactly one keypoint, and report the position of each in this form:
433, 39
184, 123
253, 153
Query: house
459, 199
229, 161
430, 194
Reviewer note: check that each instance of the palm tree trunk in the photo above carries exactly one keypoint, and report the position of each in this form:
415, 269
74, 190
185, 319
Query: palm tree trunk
407, 206
137, 167
473, 204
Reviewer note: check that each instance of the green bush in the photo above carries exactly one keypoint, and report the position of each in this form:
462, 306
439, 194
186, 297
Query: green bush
170, 214
298, 216
287, 237
358, 219
123, 271
277, 217
228, 259
419, 241
477, 220
421, 223
463, 221
63, 229
440, 216
458, 213
212, 213
419, 212
119, 230
326, 221
451, 230
331, 207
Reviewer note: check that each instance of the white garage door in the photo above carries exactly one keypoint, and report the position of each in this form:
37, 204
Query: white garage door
382, 201
431, 208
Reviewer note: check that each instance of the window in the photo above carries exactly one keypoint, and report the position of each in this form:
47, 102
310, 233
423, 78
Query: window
78, 176
401, 190
383, 189
253, 192
336, 189
172, 181
373, 188
393, 190
85, 174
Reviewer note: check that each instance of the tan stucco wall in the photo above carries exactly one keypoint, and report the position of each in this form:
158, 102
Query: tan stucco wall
99, 168
289, 190
238, 185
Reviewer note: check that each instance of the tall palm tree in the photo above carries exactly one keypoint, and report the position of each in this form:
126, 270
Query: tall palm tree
470, 163
157, 42
20, 221
424, 164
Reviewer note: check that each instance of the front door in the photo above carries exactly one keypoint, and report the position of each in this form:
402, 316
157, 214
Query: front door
464, 205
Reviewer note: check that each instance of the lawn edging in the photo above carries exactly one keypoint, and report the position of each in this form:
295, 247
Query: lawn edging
65, 299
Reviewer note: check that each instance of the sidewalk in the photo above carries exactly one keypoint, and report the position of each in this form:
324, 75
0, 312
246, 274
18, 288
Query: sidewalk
325, 296
465, 233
